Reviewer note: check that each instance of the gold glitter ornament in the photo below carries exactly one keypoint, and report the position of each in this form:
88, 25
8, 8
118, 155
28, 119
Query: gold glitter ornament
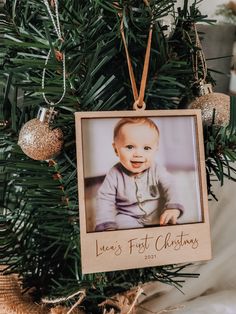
38, 140
210, 101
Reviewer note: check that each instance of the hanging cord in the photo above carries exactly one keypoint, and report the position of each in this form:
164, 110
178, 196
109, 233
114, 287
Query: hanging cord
199, 55
139, 103
64, 80
204, 88
60, 56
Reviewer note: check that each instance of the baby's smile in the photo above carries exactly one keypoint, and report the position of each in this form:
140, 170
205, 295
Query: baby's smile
136, 164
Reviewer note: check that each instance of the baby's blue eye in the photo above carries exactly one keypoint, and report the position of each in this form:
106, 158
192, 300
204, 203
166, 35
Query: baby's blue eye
147, 148
130, 146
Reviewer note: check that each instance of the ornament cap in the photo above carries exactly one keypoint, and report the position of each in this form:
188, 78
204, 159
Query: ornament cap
46, 115
205, 88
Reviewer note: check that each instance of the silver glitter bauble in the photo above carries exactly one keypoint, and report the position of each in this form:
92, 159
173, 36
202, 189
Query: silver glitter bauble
207, 103
39, 141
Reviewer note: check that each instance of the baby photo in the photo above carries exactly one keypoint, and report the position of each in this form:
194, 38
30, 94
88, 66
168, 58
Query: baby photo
140, 172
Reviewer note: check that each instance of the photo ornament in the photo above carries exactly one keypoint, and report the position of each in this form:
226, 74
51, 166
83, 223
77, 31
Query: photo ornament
142, 189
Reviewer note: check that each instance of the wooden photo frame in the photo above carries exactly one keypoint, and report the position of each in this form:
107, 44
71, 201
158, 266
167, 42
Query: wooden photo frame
129, 215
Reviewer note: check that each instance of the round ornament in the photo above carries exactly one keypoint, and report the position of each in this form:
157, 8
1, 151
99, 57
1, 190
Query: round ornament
207, 103
38, 140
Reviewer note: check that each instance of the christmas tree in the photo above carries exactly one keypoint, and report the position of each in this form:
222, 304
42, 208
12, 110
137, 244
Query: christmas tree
40, 235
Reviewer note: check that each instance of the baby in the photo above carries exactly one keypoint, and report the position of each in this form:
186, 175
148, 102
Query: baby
136, 192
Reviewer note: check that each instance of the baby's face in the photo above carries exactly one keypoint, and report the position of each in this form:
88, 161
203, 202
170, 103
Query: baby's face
136, 146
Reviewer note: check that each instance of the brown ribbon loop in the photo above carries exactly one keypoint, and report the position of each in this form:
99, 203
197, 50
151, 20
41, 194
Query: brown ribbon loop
139, 103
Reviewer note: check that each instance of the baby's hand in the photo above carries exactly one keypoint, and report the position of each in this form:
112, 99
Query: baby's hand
169, 216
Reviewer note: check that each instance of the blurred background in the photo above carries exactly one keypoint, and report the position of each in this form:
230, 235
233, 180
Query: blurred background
219, 42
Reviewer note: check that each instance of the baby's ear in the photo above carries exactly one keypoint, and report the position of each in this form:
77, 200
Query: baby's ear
114, 146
